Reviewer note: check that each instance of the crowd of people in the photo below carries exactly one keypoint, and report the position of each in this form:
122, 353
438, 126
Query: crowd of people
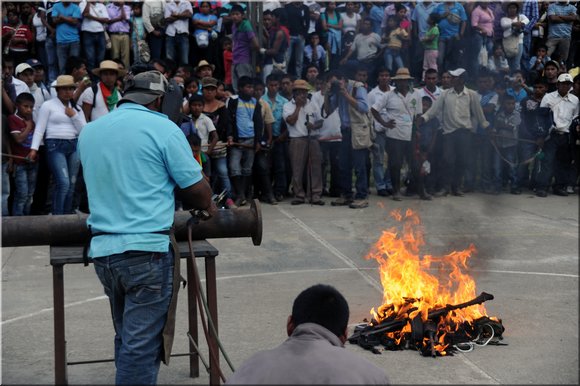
303, 100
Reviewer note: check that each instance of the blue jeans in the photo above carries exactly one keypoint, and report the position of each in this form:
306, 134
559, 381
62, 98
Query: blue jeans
391, 55
25, 184
380, 172
155, 45
515, 62
5, 189
182, 43
64, 164
139, 287
353, 159
510, 154
63, 51
220, 175
241, 159
94, 48
557, 163
296, 47
51, 60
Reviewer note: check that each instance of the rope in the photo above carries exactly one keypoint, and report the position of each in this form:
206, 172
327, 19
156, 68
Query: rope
513, 164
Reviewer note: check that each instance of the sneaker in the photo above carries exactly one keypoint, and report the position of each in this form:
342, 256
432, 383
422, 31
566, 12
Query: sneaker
230, 204
560, 192
297, 202
341, 201
317, 202
279, 197
383, 192
570, 190
358, 204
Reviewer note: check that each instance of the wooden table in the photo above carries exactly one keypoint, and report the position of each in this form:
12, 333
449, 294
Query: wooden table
60, 256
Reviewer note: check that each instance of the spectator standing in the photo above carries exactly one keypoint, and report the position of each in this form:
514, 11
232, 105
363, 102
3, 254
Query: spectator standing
304, 121
393, 38
420, 26
451, 21
402, 105
536, 64
551, 70
205, 33
59, 124
276, 43
367, 46
139, 47
17, 37
95, 18
561, 17
102, 98
531, 10
298, 18
350, 24
119, 30
244, 134
154, 23
482, 21
430, 42
177, 16
460, 110
350, 98
66, 15
23, 77
244, 40
381, 174
314, 53
513, 25
21, 126
498, 63
332, 25
507, 125
41, 30
38, 90
557, 160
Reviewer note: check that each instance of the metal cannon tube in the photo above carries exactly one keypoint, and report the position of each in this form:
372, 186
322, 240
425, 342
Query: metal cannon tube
19, 231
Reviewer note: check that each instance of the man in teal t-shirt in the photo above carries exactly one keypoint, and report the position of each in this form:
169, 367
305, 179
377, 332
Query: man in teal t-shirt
133, 160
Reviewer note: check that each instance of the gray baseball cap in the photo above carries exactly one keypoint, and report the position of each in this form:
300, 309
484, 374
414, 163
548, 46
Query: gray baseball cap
145, 87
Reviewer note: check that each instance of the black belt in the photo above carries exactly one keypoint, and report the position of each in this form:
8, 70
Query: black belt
118, 33
88, 244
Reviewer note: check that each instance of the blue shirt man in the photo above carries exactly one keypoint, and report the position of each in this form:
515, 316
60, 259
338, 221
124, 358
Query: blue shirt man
131, 172
66, 32
452, 16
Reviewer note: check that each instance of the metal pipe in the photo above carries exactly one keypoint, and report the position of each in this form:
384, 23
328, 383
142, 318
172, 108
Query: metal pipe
19, 231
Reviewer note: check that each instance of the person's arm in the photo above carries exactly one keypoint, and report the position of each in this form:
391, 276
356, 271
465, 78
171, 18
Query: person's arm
213, 138
277, 43
198, 196
87, 110
477, 110
187, 13
147, 18
293, 118
6, 101
20, 136
359, 102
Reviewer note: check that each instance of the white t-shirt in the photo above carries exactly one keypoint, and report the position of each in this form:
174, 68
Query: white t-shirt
19, 86
349, 23
299, 128
374, 96
330, 130
39, 28
433, 95
403, 109
204, 126
366, 45
100, 108
97, 10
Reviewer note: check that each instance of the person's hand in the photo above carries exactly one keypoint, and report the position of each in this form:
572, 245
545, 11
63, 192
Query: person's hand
32, 155
419, 120
212, 209
29, 125
540, 142
156, 33
391, 124
258, 147
69, 111
230, 141
262, 51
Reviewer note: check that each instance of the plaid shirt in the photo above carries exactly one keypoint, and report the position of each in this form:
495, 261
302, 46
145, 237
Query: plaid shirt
530, 9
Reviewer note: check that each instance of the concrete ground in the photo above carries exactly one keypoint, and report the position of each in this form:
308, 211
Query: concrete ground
527, 257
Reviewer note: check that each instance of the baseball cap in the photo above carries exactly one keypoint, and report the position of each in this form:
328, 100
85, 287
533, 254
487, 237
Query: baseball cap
34, 63
562, 78
21, 68
145, 87
209, 82
457, 72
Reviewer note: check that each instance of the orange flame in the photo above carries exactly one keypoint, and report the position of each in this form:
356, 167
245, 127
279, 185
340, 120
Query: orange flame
409, 289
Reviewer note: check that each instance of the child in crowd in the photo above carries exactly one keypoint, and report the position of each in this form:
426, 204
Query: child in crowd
498, 62
517, 87
393, 38
506, 127
21, 126
203, 126
314, 53
537, 62
227, 46
195, 143
141, 53
431, 46
190, 88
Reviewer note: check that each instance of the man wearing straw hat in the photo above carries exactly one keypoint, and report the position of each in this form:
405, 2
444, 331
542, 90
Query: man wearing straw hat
402, 106
102, 97
134, 158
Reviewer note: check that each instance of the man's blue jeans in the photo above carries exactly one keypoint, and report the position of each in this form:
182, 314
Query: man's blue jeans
220, 175
5, 189
241, 159
51, 59
296, 47
353, 159
380, 172
25, 184
139, 287
64, 164
94, 47
182, 43
63, 51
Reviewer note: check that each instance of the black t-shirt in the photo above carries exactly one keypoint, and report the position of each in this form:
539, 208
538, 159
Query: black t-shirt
298, 19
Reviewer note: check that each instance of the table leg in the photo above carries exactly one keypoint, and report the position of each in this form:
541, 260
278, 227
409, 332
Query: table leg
60, 370
211, 290
192, 318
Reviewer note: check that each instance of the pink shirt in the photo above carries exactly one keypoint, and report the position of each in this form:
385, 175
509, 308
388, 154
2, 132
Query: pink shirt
484, 19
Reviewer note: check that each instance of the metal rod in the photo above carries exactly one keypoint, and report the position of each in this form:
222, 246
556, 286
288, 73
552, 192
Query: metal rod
62, 230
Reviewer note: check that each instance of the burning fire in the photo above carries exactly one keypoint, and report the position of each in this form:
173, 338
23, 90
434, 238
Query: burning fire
417, 299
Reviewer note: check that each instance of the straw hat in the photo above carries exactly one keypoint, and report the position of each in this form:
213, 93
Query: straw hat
108, 65
204, 63
65, 81
402, 74
300, 84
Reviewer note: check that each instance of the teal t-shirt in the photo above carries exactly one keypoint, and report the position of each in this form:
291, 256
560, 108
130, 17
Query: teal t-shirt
133, 158
66, 33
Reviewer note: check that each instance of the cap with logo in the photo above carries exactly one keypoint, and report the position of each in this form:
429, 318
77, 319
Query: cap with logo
145, 87
34, 63
21, 68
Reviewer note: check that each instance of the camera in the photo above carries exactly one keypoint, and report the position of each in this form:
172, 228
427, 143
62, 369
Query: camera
335, 87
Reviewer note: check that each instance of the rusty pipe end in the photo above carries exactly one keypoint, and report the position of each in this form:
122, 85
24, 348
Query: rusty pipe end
257, 211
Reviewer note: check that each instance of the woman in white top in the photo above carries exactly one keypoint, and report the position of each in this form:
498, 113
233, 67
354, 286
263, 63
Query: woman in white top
350, 24
59, 124
513, 28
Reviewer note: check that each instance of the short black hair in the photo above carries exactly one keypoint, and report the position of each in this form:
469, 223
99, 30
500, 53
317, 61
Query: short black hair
194, 139
427, 99
324, 305
258, 82
237, 8
74, 63
273, 78
244, 81
430, 71
195, 98
24, 97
